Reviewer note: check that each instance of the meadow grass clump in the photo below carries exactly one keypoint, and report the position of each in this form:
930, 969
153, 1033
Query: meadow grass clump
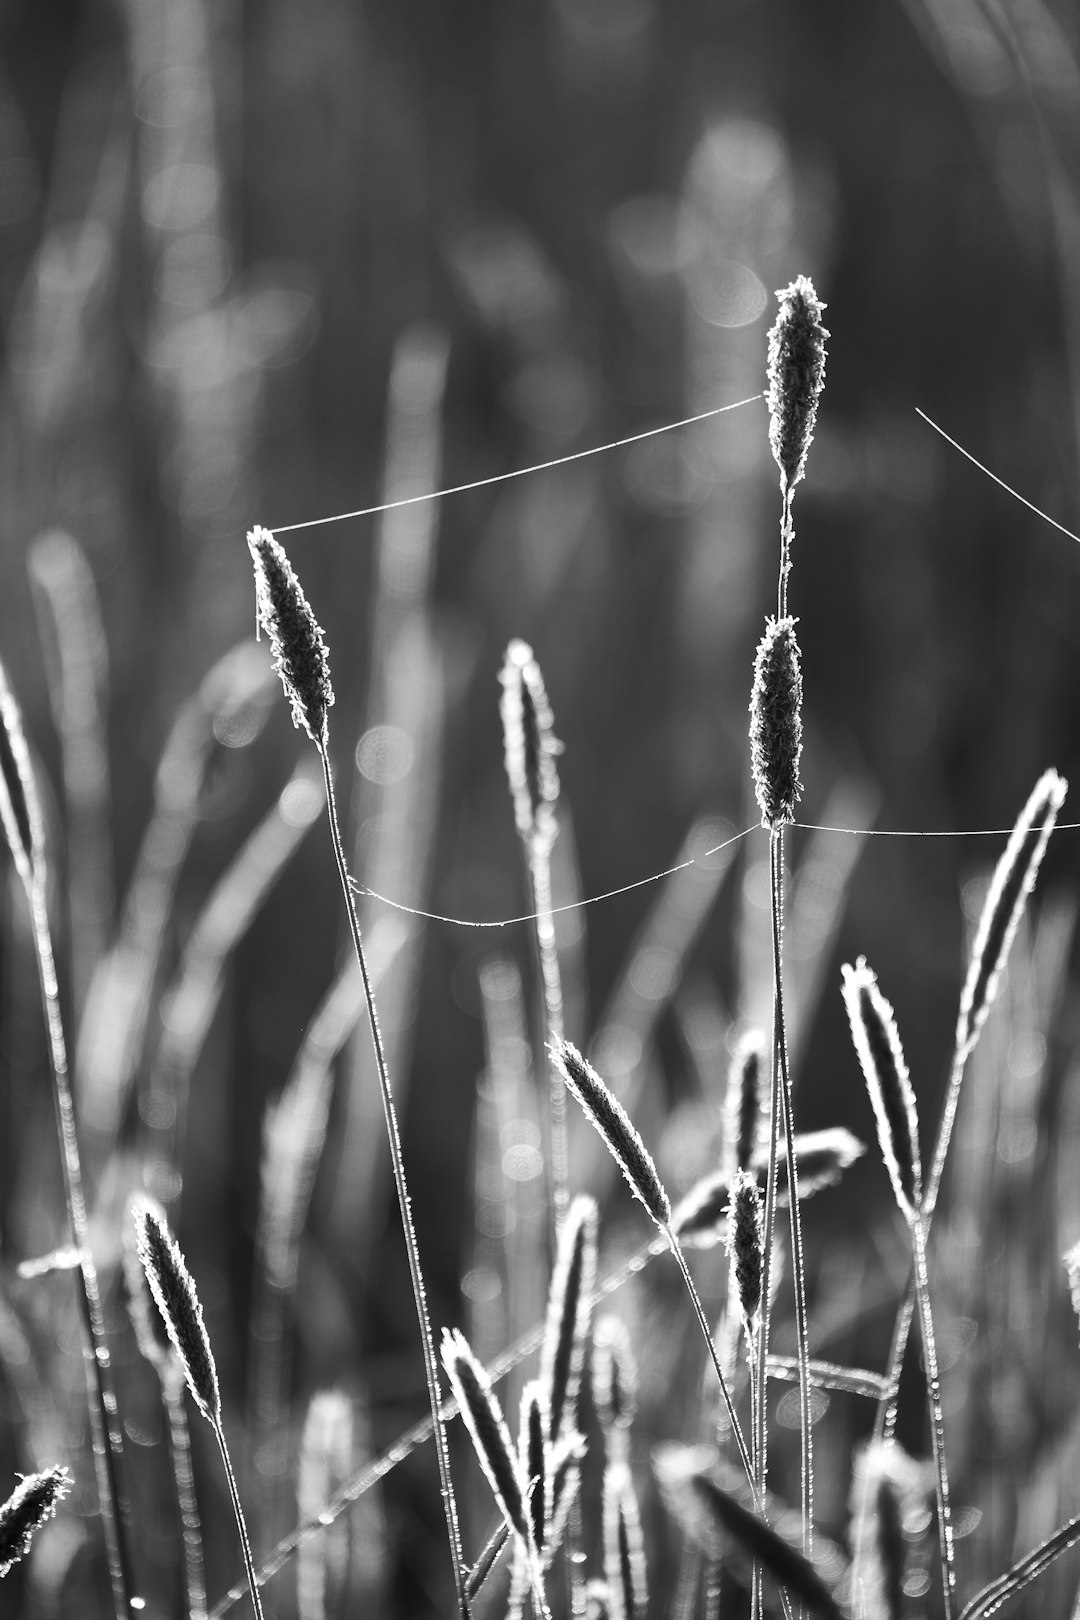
561, 1402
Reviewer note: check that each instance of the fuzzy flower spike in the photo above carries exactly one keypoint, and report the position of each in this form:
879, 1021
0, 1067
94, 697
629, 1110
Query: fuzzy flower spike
776, 723
296, 639
26, 1510
796, 371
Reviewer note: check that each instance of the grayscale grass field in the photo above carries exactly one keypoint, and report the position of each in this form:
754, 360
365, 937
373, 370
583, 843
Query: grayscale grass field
396, 1210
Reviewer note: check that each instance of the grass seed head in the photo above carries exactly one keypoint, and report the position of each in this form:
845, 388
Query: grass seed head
886, 1485
296, 641
699, 1217
742, 1102
533, 1450
796, 373
567, 1456
821, 1157
624, 1546
482, 1415
877, 1042
174, 1291
745, 1244
19, 804
776, 723
614, 1375
147, 1322
569, 1312
531, 747
1013, 880
712, 1507
32, 1502
610, 1118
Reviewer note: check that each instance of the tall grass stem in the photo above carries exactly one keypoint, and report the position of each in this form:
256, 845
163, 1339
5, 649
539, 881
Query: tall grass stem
398, 1163
782, 1102
241, 1524
540, 883
937, 1425
106, 1436
172, 1394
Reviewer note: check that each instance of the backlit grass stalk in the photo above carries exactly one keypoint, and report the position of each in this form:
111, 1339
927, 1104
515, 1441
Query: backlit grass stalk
775, 753
172, 1394
1011, 885
881, 1057
937, 1423
531, 749
796, 376
23, 827
174, 1292
609, 1118
156, 1347
301, 660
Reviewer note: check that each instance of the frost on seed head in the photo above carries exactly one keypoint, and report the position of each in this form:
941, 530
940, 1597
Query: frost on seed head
482, 1416
611, 1120
776, 723
796, 371
296, 640
174, 1292
531, 746
27, 1508
877, 1042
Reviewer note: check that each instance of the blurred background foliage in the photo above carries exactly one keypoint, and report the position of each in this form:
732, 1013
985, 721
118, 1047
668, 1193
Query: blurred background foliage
271, 262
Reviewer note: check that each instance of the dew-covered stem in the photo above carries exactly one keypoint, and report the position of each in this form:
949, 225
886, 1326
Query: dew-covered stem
398, 1163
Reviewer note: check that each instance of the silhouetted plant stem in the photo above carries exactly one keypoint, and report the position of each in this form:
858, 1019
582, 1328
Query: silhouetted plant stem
398, 1163
183, 1478
241, 1524
937, 1426
105, 1433
707, 1335
540, 881
782, 1105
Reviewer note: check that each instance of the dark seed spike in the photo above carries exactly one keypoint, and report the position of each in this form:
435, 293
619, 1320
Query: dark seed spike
28, 1507
886, 1484
877, 1042
296, 640
609, 1117
796, 373
822, 1158
1013, 880
743, 1102
713, 1511
147, 1322
614, 1375
530, 745
566, 1332
699, 1218
624, 1549
776, 723
174, 1291
564, 1470
745, 1236
533, 1445
483, 1417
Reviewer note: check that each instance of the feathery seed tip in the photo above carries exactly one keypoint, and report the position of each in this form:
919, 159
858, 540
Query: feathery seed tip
796, 373
776, 723
296, 639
